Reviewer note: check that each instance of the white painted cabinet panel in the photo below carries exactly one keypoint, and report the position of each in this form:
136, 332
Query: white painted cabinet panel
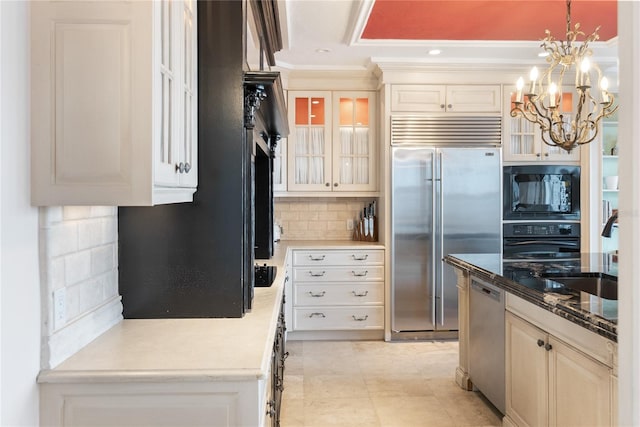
578, 388
446, 98
526, 373
338, 318
338, 257
356, 273
153, 404
113, 102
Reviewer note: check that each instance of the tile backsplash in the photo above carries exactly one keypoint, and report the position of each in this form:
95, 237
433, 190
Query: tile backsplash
79, 277
318, 218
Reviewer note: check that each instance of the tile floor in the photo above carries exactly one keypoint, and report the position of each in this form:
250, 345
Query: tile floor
376, 383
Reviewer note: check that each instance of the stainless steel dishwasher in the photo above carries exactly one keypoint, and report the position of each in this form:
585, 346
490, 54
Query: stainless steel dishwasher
486, 341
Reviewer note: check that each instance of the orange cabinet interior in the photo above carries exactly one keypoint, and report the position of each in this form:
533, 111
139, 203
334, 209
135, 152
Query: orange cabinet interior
309, 111
354, 111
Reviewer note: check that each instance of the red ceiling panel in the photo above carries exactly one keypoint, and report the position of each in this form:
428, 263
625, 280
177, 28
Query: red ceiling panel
487, 20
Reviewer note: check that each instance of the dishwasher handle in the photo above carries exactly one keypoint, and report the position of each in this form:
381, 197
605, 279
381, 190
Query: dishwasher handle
485, 290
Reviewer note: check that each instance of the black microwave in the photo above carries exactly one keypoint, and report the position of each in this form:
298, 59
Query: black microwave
541, 192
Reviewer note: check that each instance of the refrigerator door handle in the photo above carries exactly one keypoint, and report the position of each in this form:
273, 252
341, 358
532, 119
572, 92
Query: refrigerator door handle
434, 237
440, 273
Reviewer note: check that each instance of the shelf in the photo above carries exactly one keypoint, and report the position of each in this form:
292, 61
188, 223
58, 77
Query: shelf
606, 190
609, 157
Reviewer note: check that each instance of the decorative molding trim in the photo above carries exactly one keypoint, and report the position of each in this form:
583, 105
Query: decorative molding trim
253, 96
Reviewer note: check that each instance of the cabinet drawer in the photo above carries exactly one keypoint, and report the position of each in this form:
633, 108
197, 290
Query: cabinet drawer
363, 273
324, 318
332, 294
341, 257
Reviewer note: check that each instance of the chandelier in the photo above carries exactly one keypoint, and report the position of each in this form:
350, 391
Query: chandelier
563, 122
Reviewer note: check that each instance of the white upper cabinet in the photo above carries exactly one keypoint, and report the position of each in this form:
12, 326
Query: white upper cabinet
446, 98
332, 145
523, 140
114, 102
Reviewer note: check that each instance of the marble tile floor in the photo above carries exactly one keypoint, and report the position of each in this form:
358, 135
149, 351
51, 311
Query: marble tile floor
376, 383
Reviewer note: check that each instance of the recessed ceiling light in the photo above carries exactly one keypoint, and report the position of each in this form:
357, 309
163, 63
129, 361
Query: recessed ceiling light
543, 54
323, 50
435, 52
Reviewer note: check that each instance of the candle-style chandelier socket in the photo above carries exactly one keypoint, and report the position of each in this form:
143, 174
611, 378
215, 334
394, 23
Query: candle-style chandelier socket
566, 110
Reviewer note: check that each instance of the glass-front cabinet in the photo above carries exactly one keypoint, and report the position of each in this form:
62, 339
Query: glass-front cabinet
331, 146
523, 141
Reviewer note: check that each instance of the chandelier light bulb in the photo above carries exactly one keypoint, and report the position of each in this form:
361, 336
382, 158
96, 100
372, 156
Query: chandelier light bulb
584, 71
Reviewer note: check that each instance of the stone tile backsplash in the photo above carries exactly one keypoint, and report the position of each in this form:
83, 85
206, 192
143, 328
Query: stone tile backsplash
79, 265
317, 218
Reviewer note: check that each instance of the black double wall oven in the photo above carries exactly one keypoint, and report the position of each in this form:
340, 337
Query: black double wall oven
541, 211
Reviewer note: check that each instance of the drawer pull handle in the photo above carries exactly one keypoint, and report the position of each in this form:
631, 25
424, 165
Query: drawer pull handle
317, 295
317, 315
361, 318
361, 274
361, 294
316, 274
361, 257
316, 258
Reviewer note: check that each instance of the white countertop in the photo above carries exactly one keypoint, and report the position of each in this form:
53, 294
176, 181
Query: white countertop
172, 350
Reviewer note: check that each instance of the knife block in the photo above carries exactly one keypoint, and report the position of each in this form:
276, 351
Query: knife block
366, 229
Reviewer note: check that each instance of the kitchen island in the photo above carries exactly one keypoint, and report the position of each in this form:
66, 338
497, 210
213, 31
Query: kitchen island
170, 372
560, 344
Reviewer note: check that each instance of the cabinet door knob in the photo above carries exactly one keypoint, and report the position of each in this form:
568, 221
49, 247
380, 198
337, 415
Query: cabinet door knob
187, 167
540, 343
546, 154
538, 155
180, 167
449, 106
327, 184
442, 106
335, 184
548, 347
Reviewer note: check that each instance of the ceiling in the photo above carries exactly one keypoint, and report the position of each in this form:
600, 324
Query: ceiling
355, 34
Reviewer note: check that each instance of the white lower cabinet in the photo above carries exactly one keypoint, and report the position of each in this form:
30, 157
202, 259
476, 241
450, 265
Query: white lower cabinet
338, 289
234, 403
549, 382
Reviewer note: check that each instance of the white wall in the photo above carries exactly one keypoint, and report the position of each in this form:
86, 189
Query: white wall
19, 286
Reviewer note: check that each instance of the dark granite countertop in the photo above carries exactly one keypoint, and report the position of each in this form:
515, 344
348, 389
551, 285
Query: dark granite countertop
533, 280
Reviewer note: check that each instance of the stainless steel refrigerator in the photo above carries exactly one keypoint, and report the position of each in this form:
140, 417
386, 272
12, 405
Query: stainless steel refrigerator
444, 200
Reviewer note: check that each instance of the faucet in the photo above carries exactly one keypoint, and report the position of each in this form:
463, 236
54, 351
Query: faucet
608, 227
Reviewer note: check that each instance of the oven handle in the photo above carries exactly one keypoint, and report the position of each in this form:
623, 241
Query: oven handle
543, 242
